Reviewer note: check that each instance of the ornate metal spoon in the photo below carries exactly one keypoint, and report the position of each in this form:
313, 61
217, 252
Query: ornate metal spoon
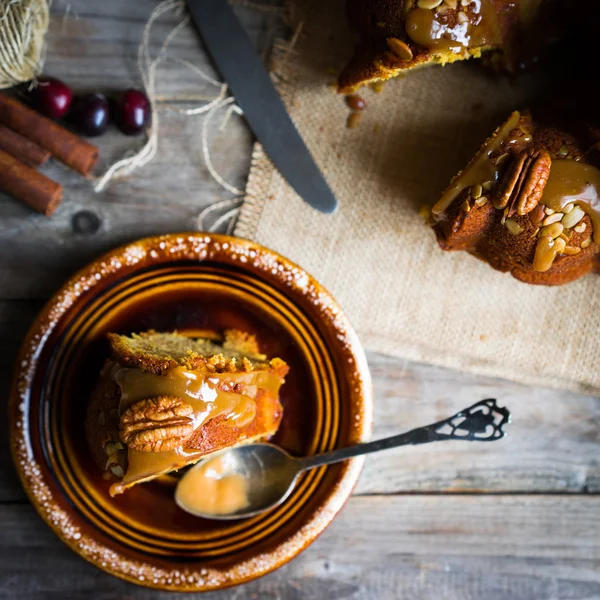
247, 480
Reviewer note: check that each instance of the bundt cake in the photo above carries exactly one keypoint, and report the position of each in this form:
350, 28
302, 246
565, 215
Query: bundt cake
164, 401
397, 36
529, 201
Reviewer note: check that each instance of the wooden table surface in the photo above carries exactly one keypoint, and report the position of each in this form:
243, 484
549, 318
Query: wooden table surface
515, 520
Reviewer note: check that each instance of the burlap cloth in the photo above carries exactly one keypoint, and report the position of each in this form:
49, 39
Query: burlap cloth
403, 294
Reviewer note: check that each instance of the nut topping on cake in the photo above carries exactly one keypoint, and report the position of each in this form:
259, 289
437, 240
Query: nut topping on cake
524, 182
157, 424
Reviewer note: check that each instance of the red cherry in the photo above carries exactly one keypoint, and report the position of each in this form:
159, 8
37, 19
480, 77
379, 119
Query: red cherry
133, 112
90, 114
52, 97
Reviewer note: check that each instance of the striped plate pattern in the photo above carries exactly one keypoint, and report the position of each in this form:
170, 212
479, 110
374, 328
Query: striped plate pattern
190, 283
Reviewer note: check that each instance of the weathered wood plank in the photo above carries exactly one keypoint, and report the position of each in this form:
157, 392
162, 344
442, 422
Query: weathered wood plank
165, 196
552, 444
95, 47
380, 548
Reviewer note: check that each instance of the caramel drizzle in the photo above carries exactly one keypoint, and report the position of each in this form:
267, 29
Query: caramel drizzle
209, 394
568, 182
424, 28
571, 181
481, 169
545, 253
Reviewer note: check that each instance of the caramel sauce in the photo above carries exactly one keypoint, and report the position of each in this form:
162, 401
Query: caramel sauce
572, 181
210, 395
545, 253
207, 490
145, 465
481, 169
486, 30
424, 28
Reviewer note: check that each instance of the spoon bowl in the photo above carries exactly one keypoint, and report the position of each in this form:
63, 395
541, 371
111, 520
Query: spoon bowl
268, 473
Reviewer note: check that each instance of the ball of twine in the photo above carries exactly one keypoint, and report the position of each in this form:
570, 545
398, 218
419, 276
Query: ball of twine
23, 26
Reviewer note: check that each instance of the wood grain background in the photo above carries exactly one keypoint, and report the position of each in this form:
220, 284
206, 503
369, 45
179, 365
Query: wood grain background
514, 520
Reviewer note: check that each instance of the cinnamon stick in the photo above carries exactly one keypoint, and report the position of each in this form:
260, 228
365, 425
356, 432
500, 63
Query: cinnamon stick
26, 184
21, 148
60, 142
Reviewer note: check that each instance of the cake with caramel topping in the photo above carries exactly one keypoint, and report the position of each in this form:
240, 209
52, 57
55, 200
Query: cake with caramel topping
529, 201
164, 401
398, 36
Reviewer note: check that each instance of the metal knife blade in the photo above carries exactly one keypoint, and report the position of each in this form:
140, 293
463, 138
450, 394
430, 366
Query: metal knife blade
237, 60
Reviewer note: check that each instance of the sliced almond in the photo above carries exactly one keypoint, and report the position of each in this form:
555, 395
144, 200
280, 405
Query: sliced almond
549, 211
476, 191
559, 245
553, 218
353, 120
118, 471
399, 48
466, 206
112, 460
481, 201
545, 253
571, 250
110, 449
573, 218
513, 227
552, 231
428, 3
568, 208
586, 243
580, 228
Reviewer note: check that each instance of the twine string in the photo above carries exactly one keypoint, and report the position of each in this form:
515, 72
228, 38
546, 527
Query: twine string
148, 71
23, 27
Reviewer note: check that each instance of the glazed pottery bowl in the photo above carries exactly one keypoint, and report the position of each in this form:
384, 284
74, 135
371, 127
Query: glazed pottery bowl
186, 282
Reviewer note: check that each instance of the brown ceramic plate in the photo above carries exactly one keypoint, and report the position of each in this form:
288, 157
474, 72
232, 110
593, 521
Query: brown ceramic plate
186, 282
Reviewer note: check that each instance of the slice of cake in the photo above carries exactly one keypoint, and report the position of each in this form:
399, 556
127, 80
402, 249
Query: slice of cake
399, 36
164, 401
528, 203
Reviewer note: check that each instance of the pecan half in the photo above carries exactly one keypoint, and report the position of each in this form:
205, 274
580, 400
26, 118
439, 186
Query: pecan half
524, 182
156, 424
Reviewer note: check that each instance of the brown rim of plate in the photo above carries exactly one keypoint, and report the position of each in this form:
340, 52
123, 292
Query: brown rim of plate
199, 248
